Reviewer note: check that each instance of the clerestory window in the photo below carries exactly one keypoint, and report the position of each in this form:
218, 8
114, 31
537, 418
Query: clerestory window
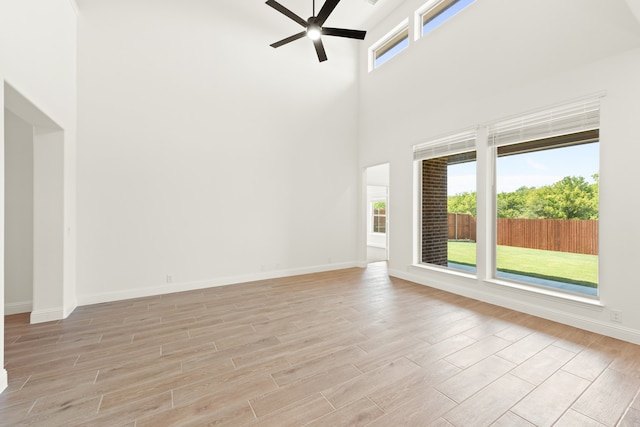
435, 12
389, 46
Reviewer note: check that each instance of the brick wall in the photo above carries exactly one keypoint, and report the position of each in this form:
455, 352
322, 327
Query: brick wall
434, 211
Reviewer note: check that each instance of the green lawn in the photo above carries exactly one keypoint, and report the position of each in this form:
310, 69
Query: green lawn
578, 269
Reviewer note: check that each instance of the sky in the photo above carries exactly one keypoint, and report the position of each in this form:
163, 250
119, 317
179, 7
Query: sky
530, 169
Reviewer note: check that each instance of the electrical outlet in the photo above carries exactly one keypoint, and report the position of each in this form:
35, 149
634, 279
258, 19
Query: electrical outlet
616, 316
169, 278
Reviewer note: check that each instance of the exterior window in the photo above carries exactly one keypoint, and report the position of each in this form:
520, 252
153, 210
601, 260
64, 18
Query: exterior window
436, 12
448, 204
389, 46
547, 179
379, 217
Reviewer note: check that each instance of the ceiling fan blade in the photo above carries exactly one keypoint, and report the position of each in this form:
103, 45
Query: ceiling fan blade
280, 8
289, 39
322, 55
326, 10
341, 32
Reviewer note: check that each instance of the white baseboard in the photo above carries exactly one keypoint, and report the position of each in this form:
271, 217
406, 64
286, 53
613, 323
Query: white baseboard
377, 246
69, 309
203, 284
17, 307
4, 380
48, 315
582, 322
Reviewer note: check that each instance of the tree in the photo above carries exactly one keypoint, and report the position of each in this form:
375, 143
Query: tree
514, 204
570, 198
462, 203
573, 197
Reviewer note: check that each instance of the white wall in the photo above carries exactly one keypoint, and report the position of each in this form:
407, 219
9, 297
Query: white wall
37, 58
205, 154
18, 214
3, 372
496, 59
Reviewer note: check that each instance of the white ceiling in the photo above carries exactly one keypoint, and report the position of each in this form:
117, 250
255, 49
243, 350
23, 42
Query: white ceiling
351, 13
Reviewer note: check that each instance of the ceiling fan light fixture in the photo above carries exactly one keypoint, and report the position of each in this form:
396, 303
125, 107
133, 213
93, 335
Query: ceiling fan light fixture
314, 32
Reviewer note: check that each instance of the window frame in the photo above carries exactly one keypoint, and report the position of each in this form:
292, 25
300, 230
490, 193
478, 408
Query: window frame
562, 114
456, 144
533, 146
567, 124
386, 43
430, 11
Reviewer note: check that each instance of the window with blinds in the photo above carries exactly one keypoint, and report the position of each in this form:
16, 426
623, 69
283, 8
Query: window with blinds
579, 118
447, 145
448, 201
547, 197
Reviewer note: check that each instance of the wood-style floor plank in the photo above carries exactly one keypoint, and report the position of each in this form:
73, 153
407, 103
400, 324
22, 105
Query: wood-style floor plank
344, 348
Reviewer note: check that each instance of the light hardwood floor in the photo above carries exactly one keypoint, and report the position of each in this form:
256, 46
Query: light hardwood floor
344, 348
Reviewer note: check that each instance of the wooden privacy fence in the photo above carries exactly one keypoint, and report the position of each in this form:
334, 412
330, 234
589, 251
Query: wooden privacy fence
571, 235
462, 227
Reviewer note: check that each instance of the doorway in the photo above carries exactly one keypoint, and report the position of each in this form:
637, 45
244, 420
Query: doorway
18, 214
377, 213
34, 207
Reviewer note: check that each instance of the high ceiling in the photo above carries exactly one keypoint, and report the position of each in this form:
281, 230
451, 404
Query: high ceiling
348, 12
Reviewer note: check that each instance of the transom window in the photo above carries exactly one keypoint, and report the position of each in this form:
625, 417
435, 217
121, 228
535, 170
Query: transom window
389, 46
436, 12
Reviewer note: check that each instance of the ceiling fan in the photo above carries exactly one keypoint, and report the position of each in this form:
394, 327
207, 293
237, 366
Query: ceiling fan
313, 27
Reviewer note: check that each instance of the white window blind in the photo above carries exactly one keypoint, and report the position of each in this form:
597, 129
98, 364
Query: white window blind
567, 119
445, 146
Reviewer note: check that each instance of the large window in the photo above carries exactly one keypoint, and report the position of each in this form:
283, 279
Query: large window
447, 230
537, 177
547, 198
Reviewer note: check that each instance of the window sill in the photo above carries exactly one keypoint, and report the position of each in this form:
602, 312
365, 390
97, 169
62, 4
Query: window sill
577, 300
549, 294
445, 270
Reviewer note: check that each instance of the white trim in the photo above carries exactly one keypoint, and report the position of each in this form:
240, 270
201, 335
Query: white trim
517, 304
17, 307
69, 309
377, 245
564, 296
4, 379
49, 315
404, 25
74, 6
425, 8
212, 283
